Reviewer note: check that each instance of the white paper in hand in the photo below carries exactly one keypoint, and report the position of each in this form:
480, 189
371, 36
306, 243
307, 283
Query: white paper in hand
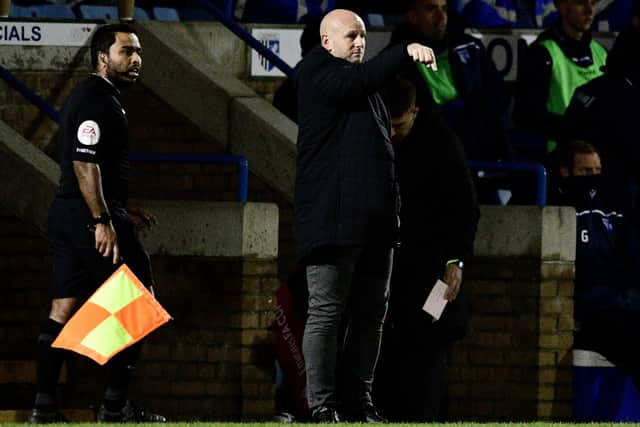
435, 303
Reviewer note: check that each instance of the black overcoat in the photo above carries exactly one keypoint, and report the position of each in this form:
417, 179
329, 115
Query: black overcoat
346, 191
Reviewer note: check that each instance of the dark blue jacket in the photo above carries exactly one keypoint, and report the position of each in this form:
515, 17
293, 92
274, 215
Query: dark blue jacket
438, 222
346, 191
607, 273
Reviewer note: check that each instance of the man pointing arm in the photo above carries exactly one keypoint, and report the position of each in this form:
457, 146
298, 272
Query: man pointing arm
346, 208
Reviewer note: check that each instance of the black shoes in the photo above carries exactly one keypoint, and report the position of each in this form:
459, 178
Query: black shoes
129, 414
41, 416
367, 414
325, 415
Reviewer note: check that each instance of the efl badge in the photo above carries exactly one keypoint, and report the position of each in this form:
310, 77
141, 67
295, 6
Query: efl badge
89, 132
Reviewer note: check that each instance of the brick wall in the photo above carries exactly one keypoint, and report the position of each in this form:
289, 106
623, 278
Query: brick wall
25, 272
515, 364
214, 361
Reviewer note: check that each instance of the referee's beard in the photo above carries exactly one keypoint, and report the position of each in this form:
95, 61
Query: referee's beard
121, 80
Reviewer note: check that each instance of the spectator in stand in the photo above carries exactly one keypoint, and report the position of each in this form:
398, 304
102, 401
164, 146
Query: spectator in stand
607, 289
438, 221
466, 87
562, 58
605, 110
285, 98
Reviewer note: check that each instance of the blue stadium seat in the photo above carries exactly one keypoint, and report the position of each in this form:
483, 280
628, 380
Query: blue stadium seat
393, 20
139, 14
195, 14
19, 12
375, 20
165, 14
55, 11
380, 20
109, 12
98, 12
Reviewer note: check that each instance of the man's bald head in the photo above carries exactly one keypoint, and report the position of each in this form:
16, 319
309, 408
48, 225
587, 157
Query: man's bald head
342, 33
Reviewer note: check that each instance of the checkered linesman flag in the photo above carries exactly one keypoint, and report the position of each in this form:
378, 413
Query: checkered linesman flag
119, 314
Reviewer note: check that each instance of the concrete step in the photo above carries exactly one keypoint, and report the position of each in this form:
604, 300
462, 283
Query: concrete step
21, 415
22, 372
245, 124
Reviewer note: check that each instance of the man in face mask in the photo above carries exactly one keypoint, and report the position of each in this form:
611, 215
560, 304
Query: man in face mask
580, 169
607, 290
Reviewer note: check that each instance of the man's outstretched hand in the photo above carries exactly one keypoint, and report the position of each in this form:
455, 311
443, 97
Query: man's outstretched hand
423, 54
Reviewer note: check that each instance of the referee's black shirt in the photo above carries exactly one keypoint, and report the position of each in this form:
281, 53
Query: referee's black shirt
94, 129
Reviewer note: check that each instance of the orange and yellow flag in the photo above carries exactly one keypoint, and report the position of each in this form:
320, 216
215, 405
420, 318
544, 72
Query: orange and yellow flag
119, 314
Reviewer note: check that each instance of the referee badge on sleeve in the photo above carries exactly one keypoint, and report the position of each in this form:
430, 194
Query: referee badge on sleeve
89, 132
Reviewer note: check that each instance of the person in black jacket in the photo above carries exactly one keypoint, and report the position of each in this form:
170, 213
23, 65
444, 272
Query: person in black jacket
605, 110
438, 221
345, 208
562, 58
607, 289
467, 88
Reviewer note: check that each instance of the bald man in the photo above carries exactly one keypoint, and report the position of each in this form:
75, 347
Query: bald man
346, 209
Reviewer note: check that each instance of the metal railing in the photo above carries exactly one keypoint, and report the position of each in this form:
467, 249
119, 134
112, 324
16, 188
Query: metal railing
239, 161
539, 171
31, 96
226, 18
53, 114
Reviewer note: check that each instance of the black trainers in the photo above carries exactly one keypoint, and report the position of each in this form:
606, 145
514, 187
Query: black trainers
325, 415
41, 416
131, 413
368, 414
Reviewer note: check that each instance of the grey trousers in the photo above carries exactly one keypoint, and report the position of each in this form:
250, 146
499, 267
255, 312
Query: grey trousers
359, 276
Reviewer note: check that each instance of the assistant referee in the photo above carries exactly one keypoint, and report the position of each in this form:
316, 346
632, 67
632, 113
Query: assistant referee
90, 230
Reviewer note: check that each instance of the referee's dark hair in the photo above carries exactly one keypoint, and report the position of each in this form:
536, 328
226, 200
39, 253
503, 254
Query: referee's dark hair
400, 95
104, 37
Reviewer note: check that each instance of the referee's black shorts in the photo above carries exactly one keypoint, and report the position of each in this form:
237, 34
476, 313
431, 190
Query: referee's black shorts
78, 268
